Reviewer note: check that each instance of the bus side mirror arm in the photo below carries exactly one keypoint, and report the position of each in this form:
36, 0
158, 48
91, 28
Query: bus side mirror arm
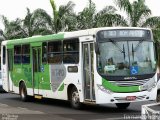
156, 44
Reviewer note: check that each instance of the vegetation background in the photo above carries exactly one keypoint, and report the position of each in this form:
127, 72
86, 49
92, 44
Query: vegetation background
64, 18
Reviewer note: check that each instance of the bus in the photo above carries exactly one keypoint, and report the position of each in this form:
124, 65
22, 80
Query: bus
94, 66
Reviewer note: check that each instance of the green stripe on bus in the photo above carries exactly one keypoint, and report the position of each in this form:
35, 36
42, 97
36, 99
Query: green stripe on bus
35, 44
61, 87
36, 39
114, 88
10, 46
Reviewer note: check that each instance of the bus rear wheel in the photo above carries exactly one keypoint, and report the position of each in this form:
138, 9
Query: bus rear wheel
23, 92
74, 99
122, 105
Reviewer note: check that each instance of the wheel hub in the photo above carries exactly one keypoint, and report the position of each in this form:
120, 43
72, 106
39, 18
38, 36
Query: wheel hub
75, 97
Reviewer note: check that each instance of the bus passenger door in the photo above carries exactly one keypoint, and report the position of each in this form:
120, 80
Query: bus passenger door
36, 52
88, 71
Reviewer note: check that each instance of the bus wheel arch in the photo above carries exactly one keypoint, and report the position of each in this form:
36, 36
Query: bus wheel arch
73, 96
23, 91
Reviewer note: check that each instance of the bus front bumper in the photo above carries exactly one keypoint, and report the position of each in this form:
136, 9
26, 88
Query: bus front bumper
104, 98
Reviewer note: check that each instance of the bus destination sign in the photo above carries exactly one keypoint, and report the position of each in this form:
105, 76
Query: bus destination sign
123, 33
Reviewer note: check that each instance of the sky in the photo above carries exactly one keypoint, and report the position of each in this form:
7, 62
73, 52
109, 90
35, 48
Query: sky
13, 9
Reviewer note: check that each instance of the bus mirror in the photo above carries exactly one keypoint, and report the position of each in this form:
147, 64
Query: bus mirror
156, 44
97, 48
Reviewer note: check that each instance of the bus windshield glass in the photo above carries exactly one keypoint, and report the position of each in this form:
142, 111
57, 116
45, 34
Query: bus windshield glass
126, 56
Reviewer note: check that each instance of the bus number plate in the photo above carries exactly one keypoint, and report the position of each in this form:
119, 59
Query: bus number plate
131, 98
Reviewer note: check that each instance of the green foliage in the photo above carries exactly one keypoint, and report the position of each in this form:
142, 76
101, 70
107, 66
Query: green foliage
89, 18
63, 18
139, 15
13, 29
39, 22
33, 24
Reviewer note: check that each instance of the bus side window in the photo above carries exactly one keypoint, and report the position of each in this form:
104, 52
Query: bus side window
25, 54
55, 52
44, 52
17, 54
4, 55
71, 51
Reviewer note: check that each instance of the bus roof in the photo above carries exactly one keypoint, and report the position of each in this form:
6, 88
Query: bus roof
62, 35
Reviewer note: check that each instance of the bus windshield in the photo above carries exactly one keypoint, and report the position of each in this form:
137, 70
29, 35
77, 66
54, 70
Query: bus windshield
126, 57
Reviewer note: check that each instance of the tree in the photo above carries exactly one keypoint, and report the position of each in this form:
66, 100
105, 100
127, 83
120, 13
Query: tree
89, 18
138, 14
85, 19
108, 17
63, 18
33, 24
12, 28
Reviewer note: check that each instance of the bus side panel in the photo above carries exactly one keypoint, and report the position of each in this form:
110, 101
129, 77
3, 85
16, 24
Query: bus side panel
59, 85
22, 73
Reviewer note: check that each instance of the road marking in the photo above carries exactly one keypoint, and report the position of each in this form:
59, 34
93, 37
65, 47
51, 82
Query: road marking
26, 109
6, 109
117, 118
3, 105
22, 108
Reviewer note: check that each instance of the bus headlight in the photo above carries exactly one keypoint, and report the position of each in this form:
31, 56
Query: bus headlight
104, 89
148, 85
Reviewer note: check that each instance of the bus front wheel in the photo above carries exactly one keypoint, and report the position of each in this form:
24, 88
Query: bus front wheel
74, 99
23, 92
122, 105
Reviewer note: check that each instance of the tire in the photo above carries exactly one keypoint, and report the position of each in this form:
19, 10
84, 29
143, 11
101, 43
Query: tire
23, 92
74, 99
158, 97
122, 105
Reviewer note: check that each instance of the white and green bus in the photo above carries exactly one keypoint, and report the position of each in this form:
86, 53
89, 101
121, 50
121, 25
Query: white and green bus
95, 66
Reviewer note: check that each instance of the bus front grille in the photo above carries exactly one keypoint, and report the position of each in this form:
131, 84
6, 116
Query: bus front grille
129, 83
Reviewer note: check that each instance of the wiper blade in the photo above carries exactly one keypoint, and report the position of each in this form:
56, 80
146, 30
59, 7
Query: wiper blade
124, 52
132, 51
115, 43
121, 50
137, 46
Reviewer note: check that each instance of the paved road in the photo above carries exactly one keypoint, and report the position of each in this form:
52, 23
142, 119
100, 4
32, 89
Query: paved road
12, 108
